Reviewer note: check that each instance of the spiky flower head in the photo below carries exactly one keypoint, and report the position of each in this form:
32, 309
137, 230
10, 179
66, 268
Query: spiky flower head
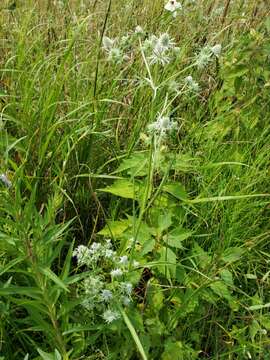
109, 316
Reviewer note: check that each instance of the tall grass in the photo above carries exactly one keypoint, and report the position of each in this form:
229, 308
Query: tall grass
190, 210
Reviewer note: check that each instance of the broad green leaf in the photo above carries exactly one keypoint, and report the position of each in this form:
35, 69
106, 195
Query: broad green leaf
115, 228
232, 254
176, 236
148, 246
177, 190
220, 288
226, 276
123, 188
137, 165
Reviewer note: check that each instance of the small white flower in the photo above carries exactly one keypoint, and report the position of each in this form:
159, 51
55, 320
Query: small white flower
95, 247
162, 126
109, 316
116, 273
126, 300
123, 260
136, 263
5, 180
139, 30
109, 254
193, 85
93, 285
216, 50
127, 288
106, 295
173, 6
108, 43
83, 255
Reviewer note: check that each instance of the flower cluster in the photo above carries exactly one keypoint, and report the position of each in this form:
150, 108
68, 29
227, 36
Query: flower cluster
101, 292
206, 55
162, 127
160, 49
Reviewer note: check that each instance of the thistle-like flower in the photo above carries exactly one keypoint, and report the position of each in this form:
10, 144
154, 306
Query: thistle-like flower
163, 126
106, 295
116, 273
110, 316
192, 85
123, 260
216, 50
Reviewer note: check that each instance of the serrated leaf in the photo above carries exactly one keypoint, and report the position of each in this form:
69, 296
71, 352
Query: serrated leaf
176, 236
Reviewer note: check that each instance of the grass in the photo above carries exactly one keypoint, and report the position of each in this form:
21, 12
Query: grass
187, 213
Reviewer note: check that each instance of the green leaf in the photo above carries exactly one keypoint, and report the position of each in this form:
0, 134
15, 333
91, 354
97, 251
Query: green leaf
177, 190
220, 288
226, 276
148, 246
168, 259
232, 254
176, 236
259, 307
134, 335
115, 228
49, 356
123, 188
51, 275
136, 164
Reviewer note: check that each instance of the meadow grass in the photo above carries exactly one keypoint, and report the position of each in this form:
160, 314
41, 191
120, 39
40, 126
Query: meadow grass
169, 161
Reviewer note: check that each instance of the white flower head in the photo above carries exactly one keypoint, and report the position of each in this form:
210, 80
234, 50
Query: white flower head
216, 50
139, 30
93, 285
83, 255
173, 6
123, 260
116, 273
110, 316
108, 43
162, 126
109, 254
5, 180
203, 57
106, 295
165, 42
127, 288
126, 300
193, 85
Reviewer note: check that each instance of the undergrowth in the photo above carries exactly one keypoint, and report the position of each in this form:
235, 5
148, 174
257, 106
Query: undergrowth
134, 186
